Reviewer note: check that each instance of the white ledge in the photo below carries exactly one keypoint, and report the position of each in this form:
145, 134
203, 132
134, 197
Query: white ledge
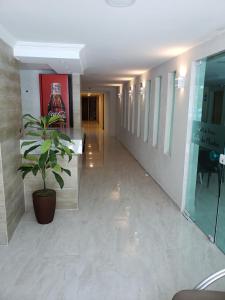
47, 50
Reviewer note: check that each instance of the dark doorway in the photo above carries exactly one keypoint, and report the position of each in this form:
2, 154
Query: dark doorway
89, 108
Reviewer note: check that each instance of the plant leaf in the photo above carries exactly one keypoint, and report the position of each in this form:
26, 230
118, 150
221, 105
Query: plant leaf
55, 137
59, 179
32, 157
46, 146
28, 143
42, 160
52, 158
68, 172
56, 142
30, 149
25, 173
25, 167
44, 121
64, 137
57, 168
30, 116
33, 133
35, 170
29, 124
54, 119
67, 150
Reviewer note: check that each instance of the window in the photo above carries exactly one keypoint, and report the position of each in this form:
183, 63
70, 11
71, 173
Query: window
140, 99
121, 108
124, 107
169, 112
129, 110
133, 110
156, 111
147, 109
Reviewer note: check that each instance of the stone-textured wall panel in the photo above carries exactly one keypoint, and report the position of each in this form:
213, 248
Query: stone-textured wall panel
3, 227
11, 184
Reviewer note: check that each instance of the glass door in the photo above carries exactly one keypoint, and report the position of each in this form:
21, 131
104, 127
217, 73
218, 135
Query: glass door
205, 200
220, 226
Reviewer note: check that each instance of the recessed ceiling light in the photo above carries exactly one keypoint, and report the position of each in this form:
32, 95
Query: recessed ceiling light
120, 3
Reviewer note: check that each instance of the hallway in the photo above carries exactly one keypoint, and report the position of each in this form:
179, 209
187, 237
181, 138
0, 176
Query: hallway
128, 241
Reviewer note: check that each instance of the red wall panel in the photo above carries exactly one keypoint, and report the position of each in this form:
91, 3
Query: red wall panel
46, 81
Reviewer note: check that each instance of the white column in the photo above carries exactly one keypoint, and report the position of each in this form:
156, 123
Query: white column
76, 101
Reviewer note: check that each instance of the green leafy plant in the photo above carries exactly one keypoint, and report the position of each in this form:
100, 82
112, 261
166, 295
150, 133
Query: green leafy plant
51, 143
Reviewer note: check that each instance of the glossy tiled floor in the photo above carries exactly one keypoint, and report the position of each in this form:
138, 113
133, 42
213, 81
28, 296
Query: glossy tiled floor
127, 242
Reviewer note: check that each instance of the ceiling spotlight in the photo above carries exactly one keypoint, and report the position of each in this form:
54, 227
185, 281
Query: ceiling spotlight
120, 3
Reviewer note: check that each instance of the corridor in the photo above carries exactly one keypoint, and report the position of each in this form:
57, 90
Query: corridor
128, 241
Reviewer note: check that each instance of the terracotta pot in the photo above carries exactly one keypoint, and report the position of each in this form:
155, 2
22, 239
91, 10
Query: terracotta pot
44, 202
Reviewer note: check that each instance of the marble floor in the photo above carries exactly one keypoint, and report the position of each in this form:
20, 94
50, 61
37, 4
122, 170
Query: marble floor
128, 241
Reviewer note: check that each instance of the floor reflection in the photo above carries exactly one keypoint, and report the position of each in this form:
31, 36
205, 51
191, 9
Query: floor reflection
94, 145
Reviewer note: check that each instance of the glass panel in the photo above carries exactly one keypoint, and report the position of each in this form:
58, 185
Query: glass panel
129, 111
156, 111
217, 115
205, 200
203, 179
169, 112
220, 229
125, 107
121, 108
133, 110
147, 109
194, 147
139, 114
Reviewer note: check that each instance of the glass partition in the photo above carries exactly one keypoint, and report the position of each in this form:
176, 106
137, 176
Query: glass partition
205, 196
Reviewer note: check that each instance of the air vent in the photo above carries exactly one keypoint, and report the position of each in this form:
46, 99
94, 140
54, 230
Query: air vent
120, 3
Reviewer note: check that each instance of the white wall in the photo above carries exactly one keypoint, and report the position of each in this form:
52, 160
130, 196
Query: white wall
30, 91
169, 171
76, 101
110, 112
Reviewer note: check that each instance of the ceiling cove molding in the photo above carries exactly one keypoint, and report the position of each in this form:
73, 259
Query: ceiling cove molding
7, 37
63, 58
47, 50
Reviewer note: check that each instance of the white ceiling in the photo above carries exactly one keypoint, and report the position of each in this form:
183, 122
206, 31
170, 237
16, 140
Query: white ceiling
120, 42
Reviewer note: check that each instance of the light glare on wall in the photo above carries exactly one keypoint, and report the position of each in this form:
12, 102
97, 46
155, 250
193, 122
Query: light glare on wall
130, 90
173, 51
141, 88
180, 82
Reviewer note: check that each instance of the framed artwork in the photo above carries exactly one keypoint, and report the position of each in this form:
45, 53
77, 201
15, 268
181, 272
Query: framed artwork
56, 97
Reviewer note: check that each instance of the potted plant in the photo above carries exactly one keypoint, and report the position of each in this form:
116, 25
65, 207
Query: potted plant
51, 144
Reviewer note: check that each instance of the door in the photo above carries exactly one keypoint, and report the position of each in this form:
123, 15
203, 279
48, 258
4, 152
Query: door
89, 108
205, 195
92, 109
85, 109
220, 226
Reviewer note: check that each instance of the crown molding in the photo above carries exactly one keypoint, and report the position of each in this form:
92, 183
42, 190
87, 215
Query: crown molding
63, 58
47, 50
